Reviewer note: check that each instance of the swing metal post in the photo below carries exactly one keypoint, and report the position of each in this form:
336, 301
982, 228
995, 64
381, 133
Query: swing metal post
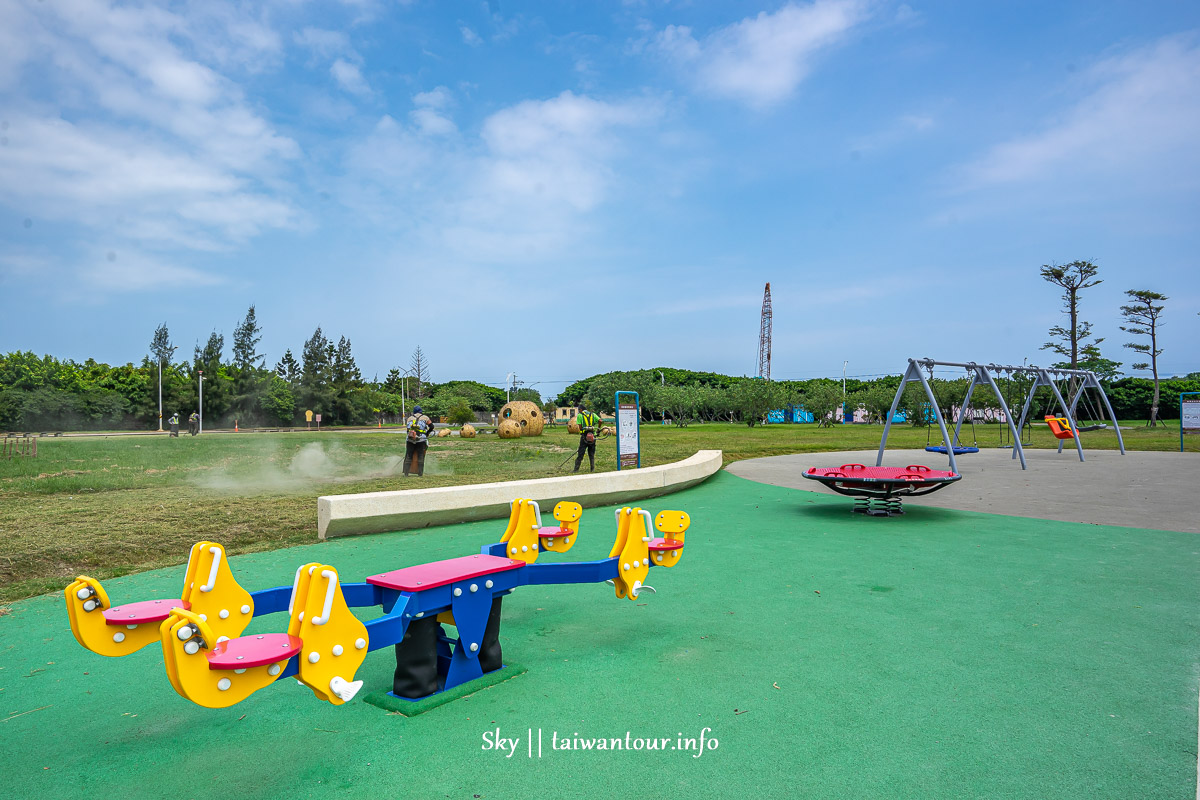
1091, 381
1112, 415
937, 413
1067, 413
1025, 409
1016, 434
887, 423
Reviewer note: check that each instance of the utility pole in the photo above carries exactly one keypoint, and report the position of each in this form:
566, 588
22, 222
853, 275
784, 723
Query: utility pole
844, 363
201, 428
169, 354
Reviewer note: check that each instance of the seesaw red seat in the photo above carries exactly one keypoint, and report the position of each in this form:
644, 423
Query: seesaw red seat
257, 650
554, 532
664, 544
440, 573
142, 612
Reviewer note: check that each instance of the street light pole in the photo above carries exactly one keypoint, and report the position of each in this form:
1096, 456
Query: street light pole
844, 363
201, 428
169, 354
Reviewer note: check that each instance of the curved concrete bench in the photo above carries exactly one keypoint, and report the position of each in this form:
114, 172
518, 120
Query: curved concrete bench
376, 512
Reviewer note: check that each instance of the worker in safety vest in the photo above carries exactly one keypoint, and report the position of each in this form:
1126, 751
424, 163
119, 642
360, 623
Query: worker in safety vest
589, 426
174, 423
194, 423
419, 427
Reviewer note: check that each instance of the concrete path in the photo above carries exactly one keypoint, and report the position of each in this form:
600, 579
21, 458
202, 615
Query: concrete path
1141, 490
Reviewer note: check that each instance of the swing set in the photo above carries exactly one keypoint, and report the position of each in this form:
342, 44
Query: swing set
878, 490
1063, 425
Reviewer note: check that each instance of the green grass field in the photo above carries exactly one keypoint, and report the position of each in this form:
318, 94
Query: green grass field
943, 654
108, 506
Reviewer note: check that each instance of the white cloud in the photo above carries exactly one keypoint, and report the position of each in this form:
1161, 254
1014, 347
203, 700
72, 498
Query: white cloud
523, 191
761, 60
134, 130
429, 116
1138, 120
902, 128
115, 271
432, 123
437, 98
322, 42
349, 77
469, 36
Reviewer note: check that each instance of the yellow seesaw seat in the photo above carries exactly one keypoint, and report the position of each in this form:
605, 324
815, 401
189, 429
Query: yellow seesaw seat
216, 672
334, 640
633, 546
561, 538
209, 590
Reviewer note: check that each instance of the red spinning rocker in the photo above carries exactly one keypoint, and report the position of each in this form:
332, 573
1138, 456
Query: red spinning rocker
878, 491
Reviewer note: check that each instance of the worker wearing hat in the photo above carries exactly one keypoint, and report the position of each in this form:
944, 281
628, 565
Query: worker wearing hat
419, 427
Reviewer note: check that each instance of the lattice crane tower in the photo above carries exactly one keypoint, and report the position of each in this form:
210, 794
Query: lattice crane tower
764, 336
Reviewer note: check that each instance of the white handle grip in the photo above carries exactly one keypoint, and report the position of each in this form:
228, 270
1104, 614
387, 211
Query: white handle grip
212, 573
295, 586
330, 576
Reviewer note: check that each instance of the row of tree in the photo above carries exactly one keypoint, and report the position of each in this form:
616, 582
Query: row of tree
708, 397
43, 392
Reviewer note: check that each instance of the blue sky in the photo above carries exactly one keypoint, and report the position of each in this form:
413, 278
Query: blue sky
565, 188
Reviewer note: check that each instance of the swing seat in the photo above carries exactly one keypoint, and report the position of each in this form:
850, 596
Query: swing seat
1060, 427
1097, 427
958, 449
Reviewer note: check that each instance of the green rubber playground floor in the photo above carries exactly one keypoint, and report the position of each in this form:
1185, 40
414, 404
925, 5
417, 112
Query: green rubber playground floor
940, 654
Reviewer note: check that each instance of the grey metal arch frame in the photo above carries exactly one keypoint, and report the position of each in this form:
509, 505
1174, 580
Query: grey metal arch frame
1045, 377
981, 375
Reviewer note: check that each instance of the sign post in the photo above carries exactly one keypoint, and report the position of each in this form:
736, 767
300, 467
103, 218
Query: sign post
629, 419
318, 422
308, 415
1189, 416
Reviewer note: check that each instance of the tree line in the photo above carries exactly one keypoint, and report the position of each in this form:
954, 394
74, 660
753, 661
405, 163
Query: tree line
47, 393
711, 397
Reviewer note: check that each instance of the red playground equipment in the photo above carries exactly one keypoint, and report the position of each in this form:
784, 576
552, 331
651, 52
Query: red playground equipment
1060, 427
211, 662
878, 491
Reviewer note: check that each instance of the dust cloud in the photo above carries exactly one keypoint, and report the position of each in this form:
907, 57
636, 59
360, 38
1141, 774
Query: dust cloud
313, 464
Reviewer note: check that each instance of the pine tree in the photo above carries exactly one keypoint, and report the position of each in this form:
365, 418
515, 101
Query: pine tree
345, 379
250, 382
419, 369
246, 337
160, 345
314, 393
288, 368
1142, 317
1073, 278
217, 385
212, 351
161, 348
